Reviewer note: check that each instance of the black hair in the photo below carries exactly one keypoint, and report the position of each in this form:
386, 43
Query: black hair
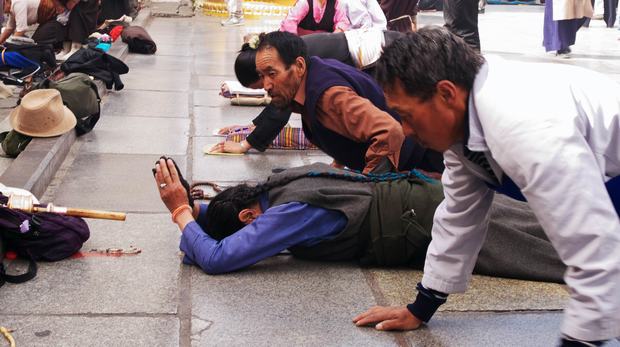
289, 46
423, 58
223, 211
245, 66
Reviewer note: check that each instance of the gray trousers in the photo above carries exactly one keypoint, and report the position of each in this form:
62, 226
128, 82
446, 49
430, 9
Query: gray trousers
235, 7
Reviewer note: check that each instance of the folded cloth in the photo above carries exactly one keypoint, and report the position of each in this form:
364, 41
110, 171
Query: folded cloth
231, 89
138, 40
250, 101
288, 138
116, 32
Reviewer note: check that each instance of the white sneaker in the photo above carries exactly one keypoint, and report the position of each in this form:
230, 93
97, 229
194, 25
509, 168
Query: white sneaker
232, 21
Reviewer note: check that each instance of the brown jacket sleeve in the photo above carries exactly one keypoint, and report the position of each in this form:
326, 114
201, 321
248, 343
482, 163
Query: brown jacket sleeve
343, 111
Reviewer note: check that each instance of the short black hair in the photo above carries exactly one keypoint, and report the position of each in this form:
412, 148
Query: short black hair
245, 66
289, 46
423, 58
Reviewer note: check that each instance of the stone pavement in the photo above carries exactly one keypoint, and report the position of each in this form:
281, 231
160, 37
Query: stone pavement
170, 105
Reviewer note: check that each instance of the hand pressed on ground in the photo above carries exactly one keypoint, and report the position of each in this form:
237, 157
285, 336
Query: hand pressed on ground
231, 147
388, 318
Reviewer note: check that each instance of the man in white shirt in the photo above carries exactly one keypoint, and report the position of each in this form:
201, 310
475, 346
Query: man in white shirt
365, 14
558, 147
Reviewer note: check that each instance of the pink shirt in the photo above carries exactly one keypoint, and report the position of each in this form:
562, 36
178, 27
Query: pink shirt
297, 13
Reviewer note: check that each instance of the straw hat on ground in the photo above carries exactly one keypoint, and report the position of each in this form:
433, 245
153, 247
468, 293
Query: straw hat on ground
42, 114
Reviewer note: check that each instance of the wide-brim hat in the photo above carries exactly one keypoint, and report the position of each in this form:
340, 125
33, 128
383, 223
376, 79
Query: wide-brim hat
41, 113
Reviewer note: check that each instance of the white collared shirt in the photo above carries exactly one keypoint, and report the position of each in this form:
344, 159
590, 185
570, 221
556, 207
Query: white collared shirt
555, 130
365, 14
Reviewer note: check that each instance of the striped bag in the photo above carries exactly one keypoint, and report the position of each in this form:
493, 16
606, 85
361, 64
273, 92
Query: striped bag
288, 138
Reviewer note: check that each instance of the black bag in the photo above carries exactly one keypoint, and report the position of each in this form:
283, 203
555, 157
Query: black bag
97, 63
43, 54
138, 40
79, 93
40, 236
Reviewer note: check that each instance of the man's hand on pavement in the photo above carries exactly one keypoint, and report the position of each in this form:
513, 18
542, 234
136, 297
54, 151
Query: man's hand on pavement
388, 318
170, 188
229, 147
233, 128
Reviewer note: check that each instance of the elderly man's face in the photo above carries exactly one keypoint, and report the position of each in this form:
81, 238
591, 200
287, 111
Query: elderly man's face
436, 123
279, 81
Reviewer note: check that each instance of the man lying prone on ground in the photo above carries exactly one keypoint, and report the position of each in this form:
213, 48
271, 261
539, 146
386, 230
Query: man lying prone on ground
382, 220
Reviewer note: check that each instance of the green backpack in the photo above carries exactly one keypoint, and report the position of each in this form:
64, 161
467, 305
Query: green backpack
13, 143
79, 93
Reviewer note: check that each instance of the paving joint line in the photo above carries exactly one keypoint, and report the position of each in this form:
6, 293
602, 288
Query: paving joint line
380, 299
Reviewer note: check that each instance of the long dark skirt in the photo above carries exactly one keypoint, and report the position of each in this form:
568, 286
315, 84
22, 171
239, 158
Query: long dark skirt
50, 32
559, 34
406, 10
82, 21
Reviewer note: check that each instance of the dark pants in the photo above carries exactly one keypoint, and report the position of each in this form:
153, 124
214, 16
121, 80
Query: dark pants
82, 21
395, 9
609, 13
51, 33
461, 17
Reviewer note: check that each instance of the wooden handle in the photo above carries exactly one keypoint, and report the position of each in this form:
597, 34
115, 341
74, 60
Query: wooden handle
78, 212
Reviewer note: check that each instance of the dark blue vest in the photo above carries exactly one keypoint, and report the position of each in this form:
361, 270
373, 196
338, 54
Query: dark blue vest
326, 73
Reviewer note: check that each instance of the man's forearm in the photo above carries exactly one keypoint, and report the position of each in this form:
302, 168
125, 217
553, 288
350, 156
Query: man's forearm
5, 34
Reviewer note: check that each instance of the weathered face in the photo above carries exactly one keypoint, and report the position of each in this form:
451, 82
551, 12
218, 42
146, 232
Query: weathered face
279, 81
437, 122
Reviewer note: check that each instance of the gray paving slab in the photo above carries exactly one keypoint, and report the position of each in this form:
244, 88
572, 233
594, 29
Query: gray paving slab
138, 135
145, 283
488, 329
154, 63
484, 293
250, 166
157, 80
146, 103
287, 303
174, 49
207, 119
208, 82
4, 164
163, 37
205, 66
45, 331
121, 182
209, 98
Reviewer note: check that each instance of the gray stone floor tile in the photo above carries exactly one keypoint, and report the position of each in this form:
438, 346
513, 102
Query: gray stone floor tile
4, 164
174, 50
250, 166
204, 66
285, 302
209, 98
154, 64
145, 103
207, 82
484, 293
45, 331
207, 119
145, 283
138, 135
163, 37
162, 81
488, 329
118, 182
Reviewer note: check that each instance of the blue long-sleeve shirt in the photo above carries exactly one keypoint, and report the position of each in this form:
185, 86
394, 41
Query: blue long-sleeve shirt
275, 230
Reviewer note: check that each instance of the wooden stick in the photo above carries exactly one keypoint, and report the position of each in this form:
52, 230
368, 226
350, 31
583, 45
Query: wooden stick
78, 212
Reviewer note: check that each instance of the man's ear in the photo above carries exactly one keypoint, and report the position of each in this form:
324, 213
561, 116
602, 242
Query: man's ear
300, 66
247, 216
447, 91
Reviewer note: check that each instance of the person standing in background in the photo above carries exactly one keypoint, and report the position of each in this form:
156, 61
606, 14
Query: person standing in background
461, 17
316, 16
365, 14
235, 13
400, 14
563, 18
